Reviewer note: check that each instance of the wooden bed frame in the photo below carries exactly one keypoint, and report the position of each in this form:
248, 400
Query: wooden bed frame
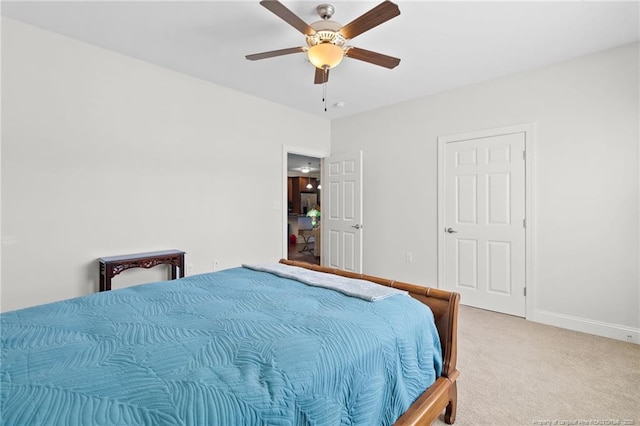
443, 394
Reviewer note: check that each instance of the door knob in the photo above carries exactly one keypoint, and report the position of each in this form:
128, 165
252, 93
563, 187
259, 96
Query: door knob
451, 231
357, 226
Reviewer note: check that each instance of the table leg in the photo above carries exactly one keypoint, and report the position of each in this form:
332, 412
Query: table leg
182, 271
174, 272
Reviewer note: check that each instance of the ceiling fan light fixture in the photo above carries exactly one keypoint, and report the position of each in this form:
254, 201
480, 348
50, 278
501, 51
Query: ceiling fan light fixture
325, 55
326, 38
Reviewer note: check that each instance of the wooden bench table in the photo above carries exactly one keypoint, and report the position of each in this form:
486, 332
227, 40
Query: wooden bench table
113, 265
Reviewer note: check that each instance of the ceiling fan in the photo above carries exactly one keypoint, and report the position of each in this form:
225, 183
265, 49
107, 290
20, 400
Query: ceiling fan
326, 39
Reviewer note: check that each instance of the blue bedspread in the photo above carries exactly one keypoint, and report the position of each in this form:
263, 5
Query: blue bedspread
236, 347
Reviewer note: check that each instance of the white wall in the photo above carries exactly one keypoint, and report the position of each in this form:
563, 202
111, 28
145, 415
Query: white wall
587, 179
103, 155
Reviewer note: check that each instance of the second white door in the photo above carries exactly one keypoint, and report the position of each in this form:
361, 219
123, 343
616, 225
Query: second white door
484, 221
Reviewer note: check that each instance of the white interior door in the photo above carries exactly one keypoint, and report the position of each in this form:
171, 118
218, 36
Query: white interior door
484, 221
342, 212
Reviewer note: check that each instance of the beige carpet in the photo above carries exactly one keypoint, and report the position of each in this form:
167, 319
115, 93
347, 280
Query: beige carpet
517, 372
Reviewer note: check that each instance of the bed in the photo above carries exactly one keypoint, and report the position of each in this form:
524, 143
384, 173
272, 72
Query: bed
240, 346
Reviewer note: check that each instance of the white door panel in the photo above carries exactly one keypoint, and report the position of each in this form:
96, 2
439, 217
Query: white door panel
484, 208
342, 234
467, 267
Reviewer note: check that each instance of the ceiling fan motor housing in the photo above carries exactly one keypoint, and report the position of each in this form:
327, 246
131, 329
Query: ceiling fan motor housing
326, 32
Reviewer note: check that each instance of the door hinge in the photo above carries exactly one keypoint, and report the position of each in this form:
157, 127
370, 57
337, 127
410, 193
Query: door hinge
524, 223
525, 291
524, 155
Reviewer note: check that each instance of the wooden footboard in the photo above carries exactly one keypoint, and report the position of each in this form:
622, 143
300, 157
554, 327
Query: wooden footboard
443, 394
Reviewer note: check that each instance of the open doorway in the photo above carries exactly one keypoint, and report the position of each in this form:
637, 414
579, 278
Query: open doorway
304, 208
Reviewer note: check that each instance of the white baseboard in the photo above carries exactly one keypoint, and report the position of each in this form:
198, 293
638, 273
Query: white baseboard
604, 329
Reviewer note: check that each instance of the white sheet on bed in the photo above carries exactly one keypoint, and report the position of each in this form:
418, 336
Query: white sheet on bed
362, 289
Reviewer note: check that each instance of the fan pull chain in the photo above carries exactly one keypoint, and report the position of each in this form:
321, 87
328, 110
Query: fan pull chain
324, 95
325, 79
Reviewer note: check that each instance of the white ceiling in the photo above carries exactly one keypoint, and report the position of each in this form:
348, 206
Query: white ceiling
442, 45
296, 163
